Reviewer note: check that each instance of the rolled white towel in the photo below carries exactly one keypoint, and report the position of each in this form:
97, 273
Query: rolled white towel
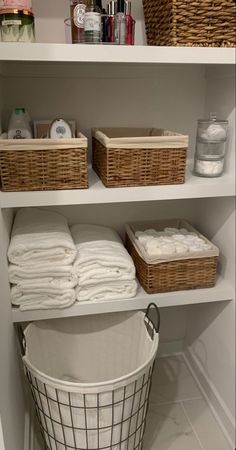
107, 291
172, 242
40, 236
38, 275
180, 248
28, 299
99, 260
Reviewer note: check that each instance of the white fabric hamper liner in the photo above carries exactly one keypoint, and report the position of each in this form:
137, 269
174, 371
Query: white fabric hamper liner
90, 379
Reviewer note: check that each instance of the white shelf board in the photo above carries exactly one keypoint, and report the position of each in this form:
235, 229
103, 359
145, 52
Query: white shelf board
221, 292
195, 187
115, 54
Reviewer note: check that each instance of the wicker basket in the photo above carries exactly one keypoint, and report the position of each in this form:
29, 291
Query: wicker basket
125, 157
172, 275
204, 23
43, 164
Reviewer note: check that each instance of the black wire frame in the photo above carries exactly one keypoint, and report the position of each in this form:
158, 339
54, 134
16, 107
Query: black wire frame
124, 433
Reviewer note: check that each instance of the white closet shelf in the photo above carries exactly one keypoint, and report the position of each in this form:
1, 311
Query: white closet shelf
195, 187
115, 54
221, 292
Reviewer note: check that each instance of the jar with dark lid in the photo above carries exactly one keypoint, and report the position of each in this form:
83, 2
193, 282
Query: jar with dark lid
17, 25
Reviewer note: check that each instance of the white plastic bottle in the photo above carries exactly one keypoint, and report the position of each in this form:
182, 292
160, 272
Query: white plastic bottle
19, 125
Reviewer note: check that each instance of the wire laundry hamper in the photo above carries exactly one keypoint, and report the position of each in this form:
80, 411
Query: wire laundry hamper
90, 378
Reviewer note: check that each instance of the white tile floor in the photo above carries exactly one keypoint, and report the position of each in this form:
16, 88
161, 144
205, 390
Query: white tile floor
179, 418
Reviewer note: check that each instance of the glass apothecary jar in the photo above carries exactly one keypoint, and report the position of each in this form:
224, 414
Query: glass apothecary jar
210, 147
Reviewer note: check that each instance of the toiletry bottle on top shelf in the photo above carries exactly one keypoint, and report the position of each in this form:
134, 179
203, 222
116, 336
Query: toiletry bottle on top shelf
77, 13
92, 25
112, 10
120, 23
130, 24
19, 125
104, 22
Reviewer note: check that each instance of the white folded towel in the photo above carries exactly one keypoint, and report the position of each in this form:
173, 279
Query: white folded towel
101, 256
48, 275
107, 291
40, 236
30, 299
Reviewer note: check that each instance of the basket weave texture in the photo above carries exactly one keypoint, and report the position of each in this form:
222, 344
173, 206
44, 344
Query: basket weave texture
42, 166
124, 167
174, 275
203, 23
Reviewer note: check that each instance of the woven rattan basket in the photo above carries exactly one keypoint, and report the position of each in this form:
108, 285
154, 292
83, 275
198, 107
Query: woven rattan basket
204, 23
172, 275
125, 157
43, 164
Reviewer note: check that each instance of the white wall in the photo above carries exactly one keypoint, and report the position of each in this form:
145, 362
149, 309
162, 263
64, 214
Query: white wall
211, 327
171, 97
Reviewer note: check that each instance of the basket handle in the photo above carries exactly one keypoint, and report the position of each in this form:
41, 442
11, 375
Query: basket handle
21, 338
156, 325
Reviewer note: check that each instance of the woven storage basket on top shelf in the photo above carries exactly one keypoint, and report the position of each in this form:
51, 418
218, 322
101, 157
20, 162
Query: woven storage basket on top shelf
172, 275
125, 157
43, 164
204, 23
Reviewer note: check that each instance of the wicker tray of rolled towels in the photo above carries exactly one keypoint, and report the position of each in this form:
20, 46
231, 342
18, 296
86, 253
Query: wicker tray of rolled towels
171, 255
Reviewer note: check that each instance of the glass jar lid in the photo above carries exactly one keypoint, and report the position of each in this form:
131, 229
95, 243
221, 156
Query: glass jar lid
213, 119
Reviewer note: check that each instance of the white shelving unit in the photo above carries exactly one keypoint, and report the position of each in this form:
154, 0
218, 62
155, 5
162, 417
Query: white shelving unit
117, 54
133, 86
221, 292
97, 193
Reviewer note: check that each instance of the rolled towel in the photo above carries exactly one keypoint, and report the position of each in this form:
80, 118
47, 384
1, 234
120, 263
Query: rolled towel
101, 256
107, 291
38, 275
28, 299
40, 236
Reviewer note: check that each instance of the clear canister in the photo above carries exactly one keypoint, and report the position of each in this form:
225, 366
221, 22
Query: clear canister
210, 147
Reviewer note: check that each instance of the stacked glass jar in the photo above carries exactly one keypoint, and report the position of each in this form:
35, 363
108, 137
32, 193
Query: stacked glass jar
210, 147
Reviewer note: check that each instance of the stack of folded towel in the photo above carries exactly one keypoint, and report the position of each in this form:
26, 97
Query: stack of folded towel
41, 256
103, 266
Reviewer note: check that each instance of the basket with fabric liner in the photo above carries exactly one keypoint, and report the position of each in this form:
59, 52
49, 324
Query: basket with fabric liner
43, 164
90, 378
195, 271
205, 23
124, 157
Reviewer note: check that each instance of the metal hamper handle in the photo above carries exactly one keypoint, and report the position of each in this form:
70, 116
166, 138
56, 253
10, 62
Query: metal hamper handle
155, 326
21, 338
